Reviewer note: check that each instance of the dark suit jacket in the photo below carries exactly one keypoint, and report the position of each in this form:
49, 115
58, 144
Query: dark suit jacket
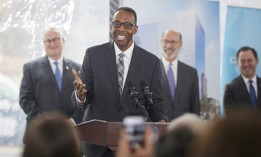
39, 90
186, 93
99, 73
236, 94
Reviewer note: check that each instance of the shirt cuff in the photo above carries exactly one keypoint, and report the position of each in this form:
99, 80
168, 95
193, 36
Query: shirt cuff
79, 102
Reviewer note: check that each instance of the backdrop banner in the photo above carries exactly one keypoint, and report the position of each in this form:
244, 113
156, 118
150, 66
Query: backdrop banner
242, 29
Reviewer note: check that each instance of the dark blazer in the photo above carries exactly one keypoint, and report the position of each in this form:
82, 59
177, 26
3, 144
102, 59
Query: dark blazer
236, 94
186, 93
39, 90
99, 73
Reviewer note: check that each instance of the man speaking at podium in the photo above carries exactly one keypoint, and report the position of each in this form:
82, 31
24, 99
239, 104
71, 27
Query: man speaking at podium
101, 86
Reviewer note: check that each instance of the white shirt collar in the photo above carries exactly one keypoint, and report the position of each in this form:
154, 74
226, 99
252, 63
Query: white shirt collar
60, 60
128, 52
247, 79
60, 65
166, 63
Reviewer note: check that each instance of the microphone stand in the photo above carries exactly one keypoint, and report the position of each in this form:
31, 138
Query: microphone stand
138, 105
144, 112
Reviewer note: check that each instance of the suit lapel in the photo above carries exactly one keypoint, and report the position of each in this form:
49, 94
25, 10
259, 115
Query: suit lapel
67, 68
258, 101
47, 68
180, 78
111, 66
245, 94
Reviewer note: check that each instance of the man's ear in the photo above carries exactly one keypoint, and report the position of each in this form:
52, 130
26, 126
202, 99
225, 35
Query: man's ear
135, 30
181, 43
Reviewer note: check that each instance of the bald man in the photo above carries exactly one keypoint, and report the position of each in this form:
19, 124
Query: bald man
180, 81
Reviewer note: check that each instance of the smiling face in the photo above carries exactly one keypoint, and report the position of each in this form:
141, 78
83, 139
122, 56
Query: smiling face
53, 44
171, 44
122, 36
247, 63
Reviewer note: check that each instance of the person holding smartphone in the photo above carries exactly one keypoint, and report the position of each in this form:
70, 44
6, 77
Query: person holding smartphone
145, 150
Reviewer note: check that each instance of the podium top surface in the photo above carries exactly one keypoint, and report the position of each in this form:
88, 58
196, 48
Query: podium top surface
105, 133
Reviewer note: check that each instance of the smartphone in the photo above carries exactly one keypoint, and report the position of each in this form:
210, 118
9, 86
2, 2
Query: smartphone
134, 127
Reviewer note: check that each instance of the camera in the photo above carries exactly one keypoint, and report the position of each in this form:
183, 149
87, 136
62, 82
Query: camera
134, 127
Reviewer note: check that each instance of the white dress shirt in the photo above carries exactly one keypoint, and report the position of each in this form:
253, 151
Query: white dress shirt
126, 58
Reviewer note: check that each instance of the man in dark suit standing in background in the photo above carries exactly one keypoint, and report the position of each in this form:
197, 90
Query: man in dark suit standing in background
47, 82
180, 81
244, 90
108, 69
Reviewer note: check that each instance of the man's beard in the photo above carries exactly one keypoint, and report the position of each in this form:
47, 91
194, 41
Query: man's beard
174, 53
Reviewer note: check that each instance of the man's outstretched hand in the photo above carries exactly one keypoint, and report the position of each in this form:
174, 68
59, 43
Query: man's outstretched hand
79, 86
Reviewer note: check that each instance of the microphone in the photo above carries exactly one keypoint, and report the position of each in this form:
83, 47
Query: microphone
146, 91
134, 94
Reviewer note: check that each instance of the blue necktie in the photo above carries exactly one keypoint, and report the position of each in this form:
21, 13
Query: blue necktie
120, 67
171, 80
58, 75
252, 93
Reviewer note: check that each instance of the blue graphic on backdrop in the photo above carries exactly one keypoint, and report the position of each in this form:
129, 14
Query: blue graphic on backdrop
241, 30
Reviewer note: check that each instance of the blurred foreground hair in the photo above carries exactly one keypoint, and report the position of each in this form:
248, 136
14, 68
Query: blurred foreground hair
51, 135
237, 135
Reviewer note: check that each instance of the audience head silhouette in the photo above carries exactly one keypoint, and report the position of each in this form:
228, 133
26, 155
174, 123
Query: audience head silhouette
182, 133
177, 142
237, 135
190, 121
51, 135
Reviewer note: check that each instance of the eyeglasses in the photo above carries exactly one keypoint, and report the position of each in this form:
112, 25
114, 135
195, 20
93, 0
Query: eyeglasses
54, 40
126, 25
172, 42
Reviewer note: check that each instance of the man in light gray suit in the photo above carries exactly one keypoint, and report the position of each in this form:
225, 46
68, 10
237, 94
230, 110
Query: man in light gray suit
104, 85
40, 91
180, 81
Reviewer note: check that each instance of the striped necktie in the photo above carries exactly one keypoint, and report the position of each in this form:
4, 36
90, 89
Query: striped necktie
120, 67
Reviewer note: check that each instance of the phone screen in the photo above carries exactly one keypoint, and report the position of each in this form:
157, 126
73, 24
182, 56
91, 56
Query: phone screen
134, 126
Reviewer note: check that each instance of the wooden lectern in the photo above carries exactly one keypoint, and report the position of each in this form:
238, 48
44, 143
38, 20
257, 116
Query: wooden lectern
105, 133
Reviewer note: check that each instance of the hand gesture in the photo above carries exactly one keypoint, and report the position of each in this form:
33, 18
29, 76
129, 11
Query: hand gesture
79, 86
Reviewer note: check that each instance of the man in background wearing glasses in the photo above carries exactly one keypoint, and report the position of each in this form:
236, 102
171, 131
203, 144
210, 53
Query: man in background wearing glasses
180, 81
47, 82
106, 73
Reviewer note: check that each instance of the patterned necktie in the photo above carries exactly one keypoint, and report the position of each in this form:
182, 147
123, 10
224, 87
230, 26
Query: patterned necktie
252, 93
58, 75
120, 67
171, 80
